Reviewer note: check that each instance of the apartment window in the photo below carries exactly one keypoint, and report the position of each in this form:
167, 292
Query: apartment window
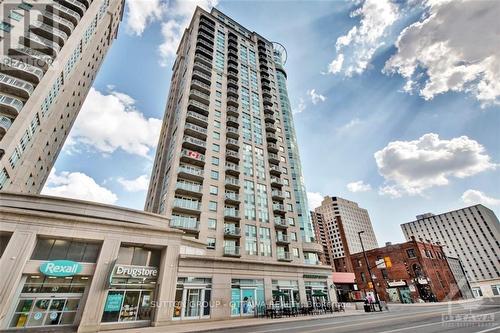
384, 273
295, 252
216, 124
291, 221
215, 160
293, 236
59, 249
251, 239
411, 253
363, 277
5, 26
212, 224
215, 148
212, 206
214, 174
289, 207
216, 135
15, 15
214, 190
210, 243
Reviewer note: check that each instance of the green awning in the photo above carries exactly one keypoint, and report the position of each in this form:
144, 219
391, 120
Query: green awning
319, 293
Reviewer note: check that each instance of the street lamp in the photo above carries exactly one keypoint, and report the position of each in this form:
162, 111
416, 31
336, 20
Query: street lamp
369, 270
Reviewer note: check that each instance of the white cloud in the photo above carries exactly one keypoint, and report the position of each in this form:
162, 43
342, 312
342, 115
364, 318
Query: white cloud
314, 199
315, 97
141, 13
301, 107
473, 197
138, 184
356, 49
178, 15
77, 185
348, 127
359, 186
456, 46
410, 167
111, 122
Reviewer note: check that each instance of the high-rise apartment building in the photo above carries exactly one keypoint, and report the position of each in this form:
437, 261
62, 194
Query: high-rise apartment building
337, 223
471, 234
227, 169
50, 52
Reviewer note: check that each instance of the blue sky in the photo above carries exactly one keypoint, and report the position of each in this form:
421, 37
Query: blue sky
395, 109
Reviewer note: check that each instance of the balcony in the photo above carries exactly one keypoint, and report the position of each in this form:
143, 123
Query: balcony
232, 75
277, 194
282, 239
232, 251
189, 224
204, 52
231, 83
232, 232
186, 188
273, 158
233, 68
208, 23
272, 147
192, 157
271, 137
232, 156
200, 58
280, 223
231, 214
206, 31
232, 144
196, 118
268, 111
284, 256
266, 93
232, 52
194, 143
232, 101
232, 92
232, 121
233, 47
206, 37
207, 79
195, 131
198, 107
279, 208
263, 67
232, 111
31, 56
5, 124
268, 101
21, 70
200, 86
57, 22
232, 197
186, 206
191, 173
49, 32
73, 5
232, 133
275, 170
201, 65
10, 106
35, 41
232, 169
232, 60
276, 182
208, 47
200, 96
232, 183
269, 118
14, 86
64, 12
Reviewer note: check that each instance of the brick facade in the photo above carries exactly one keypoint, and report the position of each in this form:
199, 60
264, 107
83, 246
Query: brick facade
418, 270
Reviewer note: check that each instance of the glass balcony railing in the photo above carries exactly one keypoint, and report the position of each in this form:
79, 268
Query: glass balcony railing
232, 251
280, 222
16, 86
281, 238
284, 256
230, 230
193, 154
23, 70
188, 187
194, 141
231, 212
58, 22
187, 204
10, 105
184, 222
43, 42
5, 122
196, 128
65, 12
232, 196
191, 171
232, 181
50, 30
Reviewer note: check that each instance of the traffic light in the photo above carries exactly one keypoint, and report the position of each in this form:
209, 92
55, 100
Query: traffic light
388, 263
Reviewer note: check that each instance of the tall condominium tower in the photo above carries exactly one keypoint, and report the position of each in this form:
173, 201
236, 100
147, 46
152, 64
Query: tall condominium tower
337, 223
471, 234
227, 169
50, 52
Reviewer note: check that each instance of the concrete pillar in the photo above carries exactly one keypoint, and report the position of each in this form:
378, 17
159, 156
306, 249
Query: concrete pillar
92, 313
167, 281
302, 291
221, 296
14, 258
332, 292
268, 290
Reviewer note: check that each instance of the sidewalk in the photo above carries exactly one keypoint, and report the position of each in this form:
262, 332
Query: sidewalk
205, 326
435, 303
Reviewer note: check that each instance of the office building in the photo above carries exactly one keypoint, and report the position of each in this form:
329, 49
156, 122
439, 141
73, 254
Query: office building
50, 53
227, 170
471, 234
337, 223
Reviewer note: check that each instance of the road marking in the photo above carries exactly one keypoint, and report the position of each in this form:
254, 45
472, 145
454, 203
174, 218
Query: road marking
489, 329
439, 322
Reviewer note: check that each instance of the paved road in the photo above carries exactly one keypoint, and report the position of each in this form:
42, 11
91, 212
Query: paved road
480, 317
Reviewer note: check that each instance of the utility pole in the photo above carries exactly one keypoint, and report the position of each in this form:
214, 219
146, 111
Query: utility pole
377, 300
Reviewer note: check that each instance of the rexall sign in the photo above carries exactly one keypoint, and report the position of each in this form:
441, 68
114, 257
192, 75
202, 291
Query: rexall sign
60, 268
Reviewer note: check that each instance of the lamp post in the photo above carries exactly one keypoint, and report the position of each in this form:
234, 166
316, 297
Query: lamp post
369, 270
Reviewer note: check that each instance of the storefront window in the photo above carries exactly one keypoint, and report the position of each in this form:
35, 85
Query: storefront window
35, 312
58, 249
138, 256
52, 284
192, 298
247, 297
286, 293
316, 293
127, 305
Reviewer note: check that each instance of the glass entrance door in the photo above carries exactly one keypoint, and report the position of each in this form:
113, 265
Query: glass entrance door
193, 303
36, 312
247, 301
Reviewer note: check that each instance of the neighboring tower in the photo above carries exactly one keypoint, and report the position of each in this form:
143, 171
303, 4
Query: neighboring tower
340, 220
227, 169
472, 234
50, 52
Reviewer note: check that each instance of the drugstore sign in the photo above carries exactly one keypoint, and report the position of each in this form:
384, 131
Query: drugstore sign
60, 268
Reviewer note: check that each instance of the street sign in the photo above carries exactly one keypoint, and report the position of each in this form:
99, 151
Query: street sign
380, 263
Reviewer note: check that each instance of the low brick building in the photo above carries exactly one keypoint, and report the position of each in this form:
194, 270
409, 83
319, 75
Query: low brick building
406, 273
